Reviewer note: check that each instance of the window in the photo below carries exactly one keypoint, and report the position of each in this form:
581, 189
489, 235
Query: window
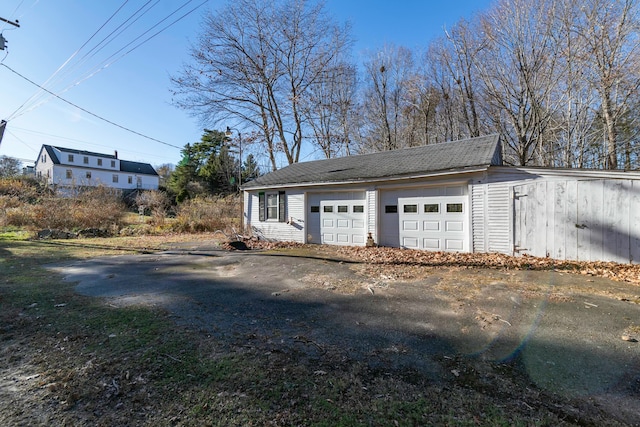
315, 209
327, 209
114, 178
431, 208
410, 208
85, 160
88, 175
358, 209
99, 162
271, 206
44, 158
454, 207
129, 179
113, 163
69, 174
343, 209
391, 209
70, 157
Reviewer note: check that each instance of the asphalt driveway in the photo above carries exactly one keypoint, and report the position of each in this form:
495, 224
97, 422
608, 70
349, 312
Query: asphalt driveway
569, 342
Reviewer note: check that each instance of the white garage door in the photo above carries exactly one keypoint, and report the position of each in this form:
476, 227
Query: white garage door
342, 222
434, 223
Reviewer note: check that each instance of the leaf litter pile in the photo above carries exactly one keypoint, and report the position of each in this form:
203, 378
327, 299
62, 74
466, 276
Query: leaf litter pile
389, 257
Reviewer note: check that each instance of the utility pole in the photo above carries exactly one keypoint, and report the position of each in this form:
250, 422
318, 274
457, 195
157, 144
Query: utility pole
15, 24
3, 41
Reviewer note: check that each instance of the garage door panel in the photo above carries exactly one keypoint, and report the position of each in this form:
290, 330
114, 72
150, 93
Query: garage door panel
431, 225
410, 242
454, 225
439, 223
454, 244
343, 222
410, 225
433, 244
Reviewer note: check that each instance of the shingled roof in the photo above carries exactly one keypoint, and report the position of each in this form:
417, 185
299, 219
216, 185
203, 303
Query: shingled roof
125, 165
460, 155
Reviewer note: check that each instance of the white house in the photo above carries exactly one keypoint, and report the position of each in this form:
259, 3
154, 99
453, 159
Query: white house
453, 196
67, 167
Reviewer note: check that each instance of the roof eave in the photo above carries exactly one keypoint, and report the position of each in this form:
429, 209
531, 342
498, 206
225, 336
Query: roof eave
449, 172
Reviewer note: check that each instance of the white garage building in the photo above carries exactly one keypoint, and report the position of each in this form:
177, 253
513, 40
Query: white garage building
454, 196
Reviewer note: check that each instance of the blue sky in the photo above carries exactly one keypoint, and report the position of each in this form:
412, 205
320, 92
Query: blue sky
133, 91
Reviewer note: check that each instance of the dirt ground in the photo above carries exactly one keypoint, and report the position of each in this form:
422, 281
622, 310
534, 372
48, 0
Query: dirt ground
564, 331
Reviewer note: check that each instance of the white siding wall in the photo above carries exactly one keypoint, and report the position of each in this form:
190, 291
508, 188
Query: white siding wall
372, 208
492, 209
290, 231
102, 177
478, 217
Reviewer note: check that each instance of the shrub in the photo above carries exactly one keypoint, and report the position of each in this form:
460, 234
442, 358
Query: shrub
96, 207
156, 202
208, 214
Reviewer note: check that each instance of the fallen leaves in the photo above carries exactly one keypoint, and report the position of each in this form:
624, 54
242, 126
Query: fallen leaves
410, 257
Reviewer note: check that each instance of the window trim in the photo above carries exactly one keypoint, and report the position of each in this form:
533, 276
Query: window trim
263, 208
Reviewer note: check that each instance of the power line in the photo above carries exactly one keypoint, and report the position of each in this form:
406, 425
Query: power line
12, 115
34, 103
84, 142
89, 112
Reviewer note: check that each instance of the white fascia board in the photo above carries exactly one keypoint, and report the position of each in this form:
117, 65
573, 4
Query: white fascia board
573, 173
369, 181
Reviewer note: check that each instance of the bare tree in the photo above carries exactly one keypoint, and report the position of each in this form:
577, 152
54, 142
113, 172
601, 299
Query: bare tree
388, 73
609, 29
255, 61
329, 109
517, 70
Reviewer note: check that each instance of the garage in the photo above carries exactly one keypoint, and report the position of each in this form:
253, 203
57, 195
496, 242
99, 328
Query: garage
342, 222
434, 223
405, 223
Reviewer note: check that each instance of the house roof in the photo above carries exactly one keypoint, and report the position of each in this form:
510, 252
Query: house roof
125, 165
470, 153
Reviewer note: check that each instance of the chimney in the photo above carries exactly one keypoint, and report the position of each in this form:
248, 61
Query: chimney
115, 153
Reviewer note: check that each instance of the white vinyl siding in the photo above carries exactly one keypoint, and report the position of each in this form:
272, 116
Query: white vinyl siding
292, 229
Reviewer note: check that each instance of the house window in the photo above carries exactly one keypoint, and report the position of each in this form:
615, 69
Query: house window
410, 208
99, 162
327, 209
129, 179
454, 207
85, 160
391, 209
113, 163
431, 208
114, 178
69, 174
315, 209
88, 175
44, 158
271, 206
358, 209
343, 209
70, 157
